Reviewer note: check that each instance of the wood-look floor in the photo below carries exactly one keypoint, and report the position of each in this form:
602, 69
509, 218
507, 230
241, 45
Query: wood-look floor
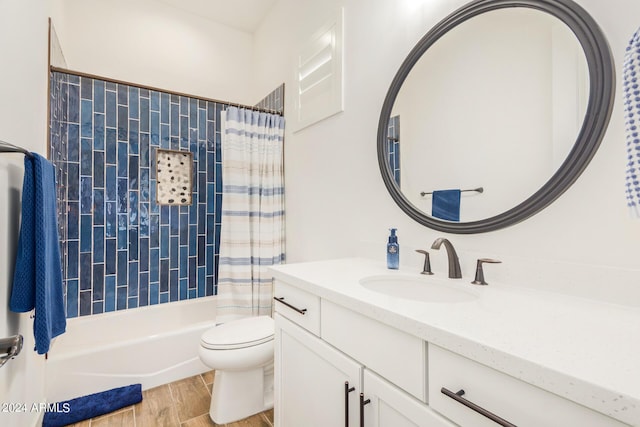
183, 403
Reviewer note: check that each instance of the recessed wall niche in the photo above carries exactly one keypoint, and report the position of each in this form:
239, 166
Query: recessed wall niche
174, 171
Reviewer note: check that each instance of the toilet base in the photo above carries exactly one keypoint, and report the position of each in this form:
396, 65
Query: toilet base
240, 394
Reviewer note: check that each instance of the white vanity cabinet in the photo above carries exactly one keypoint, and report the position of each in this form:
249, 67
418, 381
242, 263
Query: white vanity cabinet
318, 385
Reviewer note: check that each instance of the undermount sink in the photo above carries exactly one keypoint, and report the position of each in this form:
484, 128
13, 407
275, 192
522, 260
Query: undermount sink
423, 289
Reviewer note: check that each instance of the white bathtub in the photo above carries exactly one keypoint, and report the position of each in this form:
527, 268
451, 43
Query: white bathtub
151, 345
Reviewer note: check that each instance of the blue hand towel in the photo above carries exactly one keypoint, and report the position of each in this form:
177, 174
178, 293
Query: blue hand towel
631, 85
445, 204
92, 405
37, 280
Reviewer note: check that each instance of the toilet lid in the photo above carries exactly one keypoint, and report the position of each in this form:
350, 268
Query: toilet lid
239, 333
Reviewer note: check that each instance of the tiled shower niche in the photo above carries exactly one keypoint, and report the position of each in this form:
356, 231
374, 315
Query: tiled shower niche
120, 248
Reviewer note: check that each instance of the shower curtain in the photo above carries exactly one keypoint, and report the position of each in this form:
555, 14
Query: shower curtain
252, 225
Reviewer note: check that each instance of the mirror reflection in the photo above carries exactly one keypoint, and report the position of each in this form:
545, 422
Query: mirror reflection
493, 107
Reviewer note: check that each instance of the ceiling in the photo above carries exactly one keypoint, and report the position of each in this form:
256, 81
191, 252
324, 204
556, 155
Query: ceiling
244, 15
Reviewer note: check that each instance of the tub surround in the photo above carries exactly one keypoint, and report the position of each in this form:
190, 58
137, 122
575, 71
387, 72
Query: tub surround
582, 350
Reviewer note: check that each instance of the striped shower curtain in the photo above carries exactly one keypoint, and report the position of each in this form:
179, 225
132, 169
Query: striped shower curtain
252, 226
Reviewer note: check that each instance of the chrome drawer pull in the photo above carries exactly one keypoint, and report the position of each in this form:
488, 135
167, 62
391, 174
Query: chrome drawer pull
302, 311
347, 390
458, 398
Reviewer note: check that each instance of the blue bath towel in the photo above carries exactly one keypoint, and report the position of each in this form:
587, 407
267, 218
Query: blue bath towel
37, 279
445, 204
92, 405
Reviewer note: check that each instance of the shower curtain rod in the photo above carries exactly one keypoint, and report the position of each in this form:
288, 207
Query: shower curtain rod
122, 82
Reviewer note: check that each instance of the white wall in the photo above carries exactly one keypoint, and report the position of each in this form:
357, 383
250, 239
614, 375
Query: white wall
23, 121
337, 204
151, 43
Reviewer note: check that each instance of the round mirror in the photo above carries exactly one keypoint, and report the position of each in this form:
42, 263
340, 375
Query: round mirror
495, 113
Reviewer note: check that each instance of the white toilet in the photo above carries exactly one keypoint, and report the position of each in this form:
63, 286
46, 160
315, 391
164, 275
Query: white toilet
241, 353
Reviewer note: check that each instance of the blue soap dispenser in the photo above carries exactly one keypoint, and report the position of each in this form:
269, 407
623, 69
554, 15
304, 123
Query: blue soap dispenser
393, 251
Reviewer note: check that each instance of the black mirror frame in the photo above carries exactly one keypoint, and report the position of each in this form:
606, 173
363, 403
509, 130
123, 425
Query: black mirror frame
598, 112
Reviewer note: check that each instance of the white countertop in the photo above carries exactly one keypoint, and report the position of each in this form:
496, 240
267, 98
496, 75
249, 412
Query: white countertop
583, 350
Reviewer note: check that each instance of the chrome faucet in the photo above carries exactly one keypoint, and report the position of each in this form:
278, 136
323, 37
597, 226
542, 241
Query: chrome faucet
454, 263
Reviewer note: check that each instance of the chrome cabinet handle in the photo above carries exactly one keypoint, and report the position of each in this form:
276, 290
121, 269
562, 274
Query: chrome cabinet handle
347, 390
458, 398
362, 403
302, 311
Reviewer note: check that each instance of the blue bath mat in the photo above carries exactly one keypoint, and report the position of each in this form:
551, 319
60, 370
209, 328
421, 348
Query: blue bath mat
92, 405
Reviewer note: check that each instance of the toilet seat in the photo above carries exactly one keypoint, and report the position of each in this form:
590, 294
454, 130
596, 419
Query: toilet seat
237, 334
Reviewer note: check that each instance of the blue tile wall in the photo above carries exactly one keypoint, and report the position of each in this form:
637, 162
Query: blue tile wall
393, 147
119, 249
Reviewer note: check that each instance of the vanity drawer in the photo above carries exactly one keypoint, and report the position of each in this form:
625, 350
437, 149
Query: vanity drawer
298, 306
391, 353
515, 401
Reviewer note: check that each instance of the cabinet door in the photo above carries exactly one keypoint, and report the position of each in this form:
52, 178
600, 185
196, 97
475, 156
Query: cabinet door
391, 407
310, 379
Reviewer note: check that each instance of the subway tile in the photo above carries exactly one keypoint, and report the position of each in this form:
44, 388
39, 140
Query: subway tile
73, 220
144, 150
164, 241
211, 197
133, 280
184, 229
184, 283
86, 157
111, 146
144, 184
134, 102
193, 293
72, 298
111, 112
211, 225
122, 234
144, 254
202, 213
86, 122
155, 128
121, 295
123, 94
85, 233
164, 297
134, 170
134, 244
143, 298
184, 105
73, 142
122, 269
85, 303
174, 222
111, 184
144, 219
132, 302
193, 272
123, 122
134, 135
123, 189
98, 244
154, 231
111, 219
86, 88
73, 105
154, 264
164, 275
165, 138
164, 108
133, 208
73, 259
98, 169
154, 291
210, 286
155, 100
184, 133
202, 282
210, 259
202, 125
175, 143
110, 256
173, 285
98, 282
201, 250
85, 271
193, 240
110, 294
175, 120
98, 131
122, 161
184, 261
173, 252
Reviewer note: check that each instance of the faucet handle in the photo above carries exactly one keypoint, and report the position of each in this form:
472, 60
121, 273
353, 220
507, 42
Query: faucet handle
426, 268
479, 280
